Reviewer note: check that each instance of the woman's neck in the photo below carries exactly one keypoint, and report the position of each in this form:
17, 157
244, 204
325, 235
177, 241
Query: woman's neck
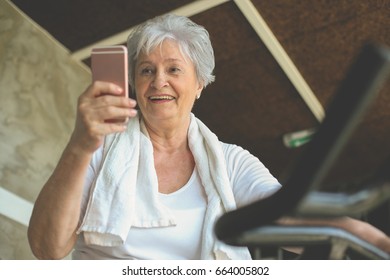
169, 136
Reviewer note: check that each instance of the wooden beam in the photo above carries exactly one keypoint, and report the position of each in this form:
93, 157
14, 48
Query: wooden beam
280, 55
187, 10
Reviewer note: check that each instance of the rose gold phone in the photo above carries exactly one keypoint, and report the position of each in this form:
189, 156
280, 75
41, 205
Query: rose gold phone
109, 64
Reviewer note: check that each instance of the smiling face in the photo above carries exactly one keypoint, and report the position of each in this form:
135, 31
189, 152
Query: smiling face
166, 84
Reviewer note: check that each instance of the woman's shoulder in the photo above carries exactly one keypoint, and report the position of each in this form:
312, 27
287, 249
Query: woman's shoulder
233, 150
240, 161
249, 177
237, 157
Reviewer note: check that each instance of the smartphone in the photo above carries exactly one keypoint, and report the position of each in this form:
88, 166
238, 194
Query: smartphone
109, 64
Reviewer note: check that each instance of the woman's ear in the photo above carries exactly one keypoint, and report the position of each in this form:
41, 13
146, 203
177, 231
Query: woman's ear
199, 90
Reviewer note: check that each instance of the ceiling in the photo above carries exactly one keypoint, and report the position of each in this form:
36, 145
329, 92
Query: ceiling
269, 82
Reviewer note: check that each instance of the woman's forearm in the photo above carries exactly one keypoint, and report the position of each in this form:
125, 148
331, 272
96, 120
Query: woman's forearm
55, 217
52, 229
358, 228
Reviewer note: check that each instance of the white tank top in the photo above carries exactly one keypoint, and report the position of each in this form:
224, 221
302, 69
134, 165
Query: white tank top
182, 241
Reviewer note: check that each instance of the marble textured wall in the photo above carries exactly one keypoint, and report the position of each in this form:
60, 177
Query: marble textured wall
39, 86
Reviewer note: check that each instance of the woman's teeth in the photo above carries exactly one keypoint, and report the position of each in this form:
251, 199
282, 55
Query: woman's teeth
161, 97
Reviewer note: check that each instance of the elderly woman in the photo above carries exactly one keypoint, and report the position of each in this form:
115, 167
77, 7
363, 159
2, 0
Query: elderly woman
153, 187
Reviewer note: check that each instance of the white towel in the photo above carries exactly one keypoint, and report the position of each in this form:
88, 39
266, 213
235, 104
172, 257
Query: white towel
116, 203
211, 165
126, 188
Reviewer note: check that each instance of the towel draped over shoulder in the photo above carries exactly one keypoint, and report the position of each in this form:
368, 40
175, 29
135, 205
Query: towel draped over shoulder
125, 190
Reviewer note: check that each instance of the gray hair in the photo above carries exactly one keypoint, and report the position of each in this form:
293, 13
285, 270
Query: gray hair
193, 41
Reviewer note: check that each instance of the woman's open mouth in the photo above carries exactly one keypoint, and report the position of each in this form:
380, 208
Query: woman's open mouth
161, 98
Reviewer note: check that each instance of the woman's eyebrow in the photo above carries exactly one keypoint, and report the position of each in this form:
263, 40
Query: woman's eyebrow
143, 62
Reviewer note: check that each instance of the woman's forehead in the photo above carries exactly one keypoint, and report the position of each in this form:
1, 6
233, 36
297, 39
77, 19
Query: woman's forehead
168, 51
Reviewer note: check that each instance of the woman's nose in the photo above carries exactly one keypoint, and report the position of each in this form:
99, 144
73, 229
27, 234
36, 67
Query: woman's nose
160, 81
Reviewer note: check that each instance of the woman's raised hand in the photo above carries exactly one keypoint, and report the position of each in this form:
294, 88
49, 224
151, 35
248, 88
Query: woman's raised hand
102, 109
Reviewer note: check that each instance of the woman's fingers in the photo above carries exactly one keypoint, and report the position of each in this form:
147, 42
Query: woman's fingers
114, 106
99, 88
104, 101
102, 109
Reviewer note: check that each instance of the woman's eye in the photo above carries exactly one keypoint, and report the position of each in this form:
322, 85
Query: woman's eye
174, 69
146, 71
